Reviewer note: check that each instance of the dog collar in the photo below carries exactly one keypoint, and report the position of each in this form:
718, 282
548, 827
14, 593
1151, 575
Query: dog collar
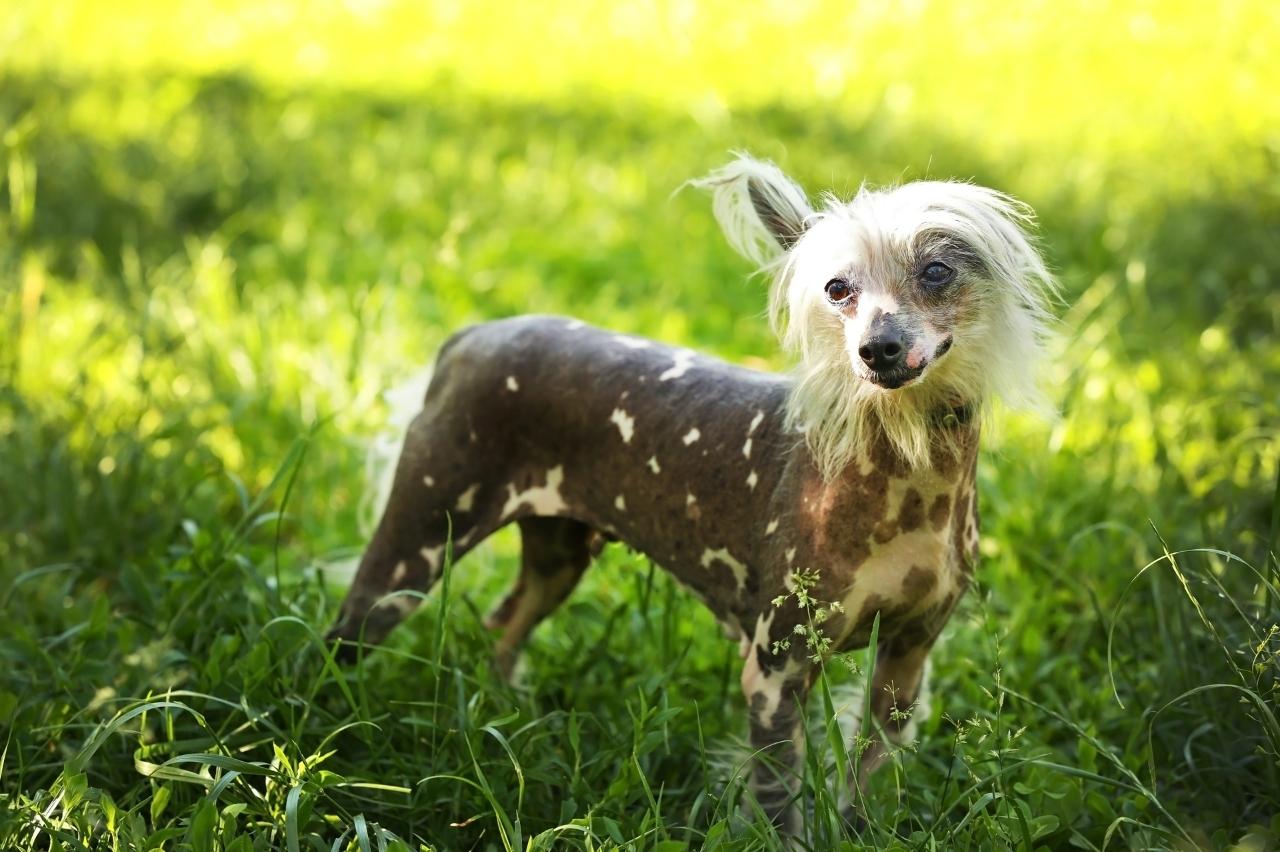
953, 416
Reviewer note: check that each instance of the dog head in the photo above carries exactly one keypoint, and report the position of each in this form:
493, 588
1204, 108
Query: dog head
900, 302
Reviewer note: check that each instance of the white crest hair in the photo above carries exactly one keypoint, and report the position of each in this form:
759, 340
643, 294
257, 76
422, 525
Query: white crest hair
996, 351
740, 191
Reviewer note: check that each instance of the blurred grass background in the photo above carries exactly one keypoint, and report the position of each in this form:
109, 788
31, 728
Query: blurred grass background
228, 227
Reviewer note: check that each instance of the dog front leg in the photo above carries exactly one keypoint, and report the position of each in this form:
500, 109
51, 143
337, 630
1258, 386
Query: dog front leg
896, 688
776, 697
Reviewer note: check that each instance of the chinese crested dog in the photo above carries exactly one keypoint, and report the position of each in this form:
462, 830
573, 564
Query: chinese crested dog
810, 504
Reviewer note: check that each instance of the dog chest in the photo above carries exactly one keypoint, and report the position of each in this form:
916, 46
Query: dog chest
894, 542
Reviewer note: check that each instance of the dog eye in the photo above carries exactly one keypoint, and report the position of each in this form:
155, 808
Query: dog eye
937, 273
838, 290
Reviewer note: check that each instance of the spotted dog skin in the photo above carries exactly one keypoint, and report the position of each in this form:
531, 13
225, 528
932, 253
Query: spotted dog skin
578, 434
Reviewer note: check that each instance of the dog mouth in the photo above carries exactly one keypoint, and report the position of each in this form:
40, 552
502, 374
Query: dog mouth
902, 368
901, 374
895, 378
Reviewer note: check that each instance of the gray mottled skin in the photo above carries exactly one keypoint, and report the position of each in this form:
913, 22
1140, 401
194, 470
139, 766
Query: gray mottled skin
579, 434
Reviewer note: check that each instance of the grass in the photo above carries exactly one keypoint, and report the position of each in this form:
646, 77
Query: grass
213, 261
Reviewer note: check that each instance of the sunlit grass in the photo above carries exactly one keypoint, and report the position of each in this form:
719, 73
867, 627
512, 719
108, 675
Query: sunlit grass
1110, 76
209, 277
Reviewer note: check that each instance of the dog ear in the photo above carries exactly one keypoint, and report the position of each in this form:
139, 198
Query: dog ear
762, 211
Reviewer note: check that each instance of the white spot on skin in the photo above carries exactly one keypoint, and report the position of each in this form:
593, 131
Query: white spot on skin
474, 436
428, 481
746, 449
756, 682
625, 422
544, 500
405, 604
512, 384
398, 574
791, 555
632, 342
653, 465
691, 436
755, 421
432, 556
620, 503
772, 528
710, 557
752, 480
683, 361
771, 687
467, 499
751, 673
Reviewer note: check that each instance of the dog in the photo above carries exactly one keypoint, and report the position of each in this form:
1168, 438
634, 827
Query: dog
802, 509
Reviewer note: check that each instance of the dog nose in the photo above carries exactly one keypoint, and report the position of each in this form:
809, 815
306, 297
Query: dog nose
883, 351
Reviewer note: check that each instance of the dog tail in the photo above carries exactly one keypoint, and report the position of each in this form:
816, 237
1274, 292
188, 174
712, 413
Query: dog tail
404, 401
359, 610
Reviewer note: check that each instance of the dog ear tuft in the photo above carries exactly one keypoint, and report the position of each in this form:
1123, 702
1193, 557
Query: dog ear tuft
762, 212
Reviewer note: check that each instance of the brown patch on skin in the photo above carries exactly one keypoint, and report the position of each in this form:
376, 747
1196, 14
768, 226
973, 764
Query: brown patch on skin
913, 632
962, 520
911, 513
965, 520
924, 627
886, 459
891, 614
873, 604
851, 511
918, 583
940, 512
944, 458
951, 448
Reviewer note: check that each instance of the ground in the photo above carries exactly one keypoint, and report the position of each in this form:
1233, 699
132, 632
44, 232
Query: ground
226, 231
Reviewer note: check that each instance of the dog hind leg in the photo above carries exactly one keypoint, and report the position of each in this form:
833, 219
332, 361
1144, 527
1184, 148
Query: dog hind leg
433, 511
555, 552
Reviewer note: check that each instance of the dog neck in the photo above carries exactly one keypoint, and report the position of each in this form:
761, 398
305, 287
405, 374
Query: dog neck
952, 443
841, 414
